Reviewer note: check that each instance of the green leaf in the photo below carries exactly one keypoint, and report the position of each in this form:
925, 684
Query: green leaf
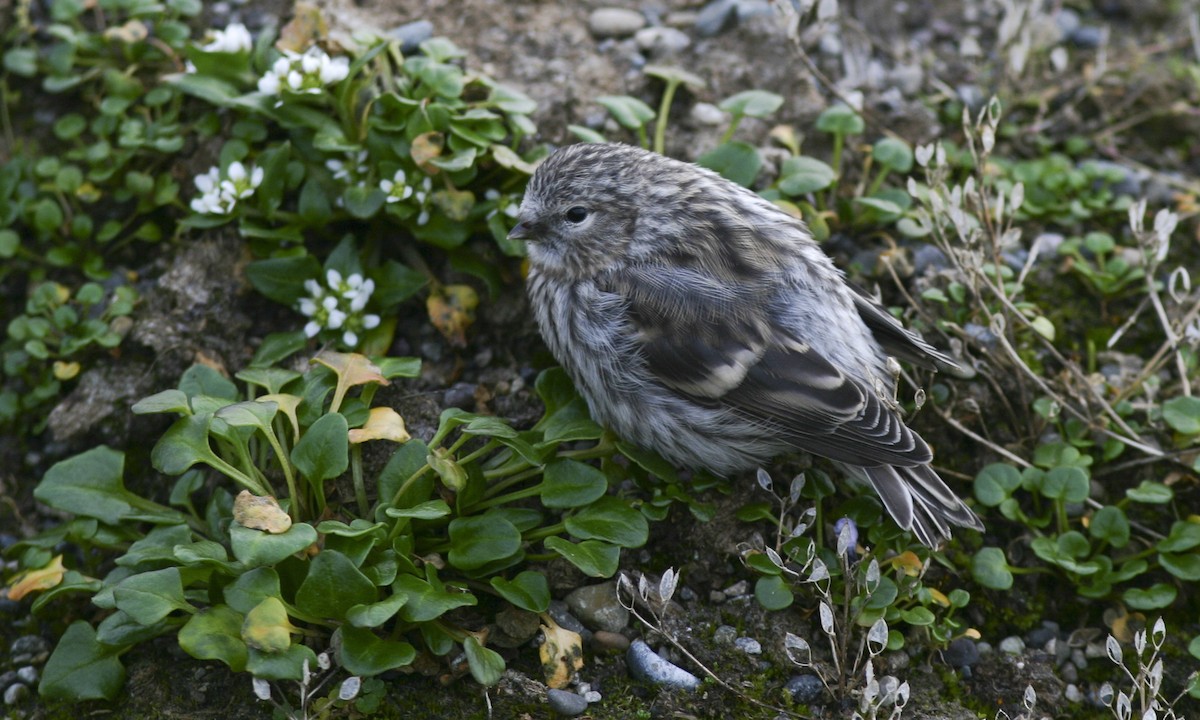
81, 668
1184, 567
277, 346
486, 664
1110, 524
479, 541
363, 201
21, 61
629, 112
255, 548
894, 154
89, 484
995, 483
773, 593
1159, 595
989, 567
333, 585
430, 510
803, 175
610, 519
377, 613
251, 588
736, 160
592, 557
1183, 414
586, 134
363, 653
215, 634
282, 279
323, 451
570, 483
287, 665
1184, 535
752, 103
528, 591
426, 602
150, 596
203, 380
1069, 484
167, 401
840, 120
1151, 493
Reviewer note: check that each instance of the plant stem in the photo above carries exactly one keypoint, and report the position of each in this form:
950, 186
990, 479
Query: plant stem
664, 111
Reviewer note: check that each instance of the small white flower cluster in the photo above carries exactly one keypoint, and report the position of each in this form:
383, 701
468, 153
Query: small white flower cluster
307, 73
338, 306
397, 188
352, 170
422, 197
233, 39
219, 195
508, 204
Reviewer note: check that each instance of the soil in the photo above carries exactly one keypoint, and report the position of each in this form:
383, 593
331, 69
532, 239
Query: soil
196, 310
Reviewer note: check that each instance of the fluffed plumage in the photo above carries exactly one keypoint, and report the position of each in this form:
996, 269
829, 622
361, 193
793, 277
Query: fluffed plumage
701, 321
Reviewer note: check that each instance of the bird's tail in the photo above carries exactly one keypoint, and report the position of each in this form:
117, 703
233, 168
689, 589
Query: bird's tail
918, 500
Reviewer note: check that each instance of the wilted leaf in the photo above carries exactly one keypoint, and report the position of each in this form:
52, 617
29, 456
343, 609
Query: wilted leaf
36, 580
452, 311
260, 513
426, 147
383, 423
561, 653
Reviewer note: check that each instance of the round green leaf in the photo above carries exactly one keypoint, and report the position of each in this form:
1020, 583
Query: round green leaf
737, 161
478, 541
1110, 524
995, 483
990, 569
773, 593
894, 154
612, 520
752, 103
333, 585
486, 664
1183, 414
570, 483
840, 120
528, 591
594, 558
80, 668
629, 112
1184, 567
1159, 595
803, 175
364, 653
215, 634
255, 548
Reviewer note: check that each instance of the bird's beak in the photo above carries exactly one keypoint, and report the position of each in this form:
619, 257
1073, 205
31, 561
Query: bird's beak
523, 230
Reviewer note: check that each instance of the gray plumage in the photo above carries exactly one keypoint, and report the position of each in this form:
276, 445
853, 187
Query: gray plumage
701, 321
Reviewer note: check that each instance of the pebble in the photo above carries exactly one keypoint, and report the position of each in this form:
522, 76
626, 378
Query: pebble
644, 664
14, 694
741, 587
562, 615
1047, 245
662, 40
1012, 645
597, 607
971, 96
747, 9
703, 113
29, 650
750, 646
725, 635
565, 703
28, 675
1040, 637
1129, 184
411, 35
1068, 21
1072, 693
716, 17
615, 22
1087, 37
805, 689
1079, 659
603, 640
1069, 673
908, 78
7, 678
980, 333
961, 653
460, 395
926, 256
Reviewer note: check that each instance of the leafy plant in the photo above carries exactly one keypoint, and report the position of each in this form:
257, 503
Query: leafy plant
444, 525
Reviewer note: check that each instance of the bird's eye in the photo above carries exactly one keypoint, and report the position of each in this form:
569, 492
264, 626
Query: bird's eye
577, 214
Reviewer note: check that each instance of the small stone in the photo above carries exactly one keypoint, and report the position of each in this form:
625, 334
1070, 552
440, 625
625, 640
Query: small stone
708, 114
725, 635
602, 640
1079, 659
1047, 245
662, 40
1012, 645
971, 96
741, 587
7, 678
411, 35
644, 664
567, 704
984, 647
15, 693
681, 18
716, 17
1087, 37
1095, 650
907, 78
615, 22
830, 44
747, 9
716, 597
980, 333
592, 696
926, 256
1039, 637
597, 607
1068, 21
1072, 694
805, 689
29, 650
28, 675
961, 653
1069, 673
460, 395
750, 646
561, 614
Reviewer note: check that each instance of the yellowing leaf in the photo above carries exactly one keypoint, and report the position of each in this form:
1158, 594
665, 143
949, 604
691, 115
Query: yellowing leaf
37, 580
287, 405
425, 147
131, 32
561, 654
383, 423
452, 311
506, 158
65, 370
908, 563
306, 26
452, 474
456, 204
352, 369
267, 626
939, 597
260, 513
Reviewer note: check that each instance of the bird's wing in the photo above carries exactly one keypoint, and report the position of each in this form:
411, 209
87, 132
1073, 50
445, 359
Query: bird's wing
901, 342
717, 343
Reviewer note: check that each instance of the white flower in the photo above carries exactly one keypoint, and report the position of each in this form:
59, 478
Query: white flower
334, 70
396, 188
336, 319
350, 338
333, 278
308, 307
370, 321
269, 84
338, 304
311, 328
235, 38
307, 74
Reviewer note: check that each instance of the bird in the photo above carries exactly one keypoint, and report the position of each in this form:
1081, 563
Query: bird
703, 322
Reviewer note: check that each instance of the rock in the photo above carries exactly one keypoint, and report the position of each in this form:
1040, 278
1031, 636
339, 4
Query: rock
661, 40
29, 650
602, 640
1012, 645
28, 675
703, 113
565, 703
15, 693
1069, 673
1038, 637
460, 395
411, 35
805, 689
725, 635
597, 607
748, 645
926, 256
747, 9
1068, 21
715, 17
961, 653
644, 664
562, 615
615, 22
1072, 693
1088, 37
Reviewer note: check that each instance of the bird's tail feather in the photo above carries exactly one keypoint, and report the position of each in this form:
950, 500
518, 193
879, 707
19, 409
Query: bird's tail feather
918, 500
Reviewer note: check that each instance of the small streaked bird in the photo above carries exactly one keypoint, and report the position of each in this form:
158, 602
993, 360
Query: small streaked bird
701, 321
